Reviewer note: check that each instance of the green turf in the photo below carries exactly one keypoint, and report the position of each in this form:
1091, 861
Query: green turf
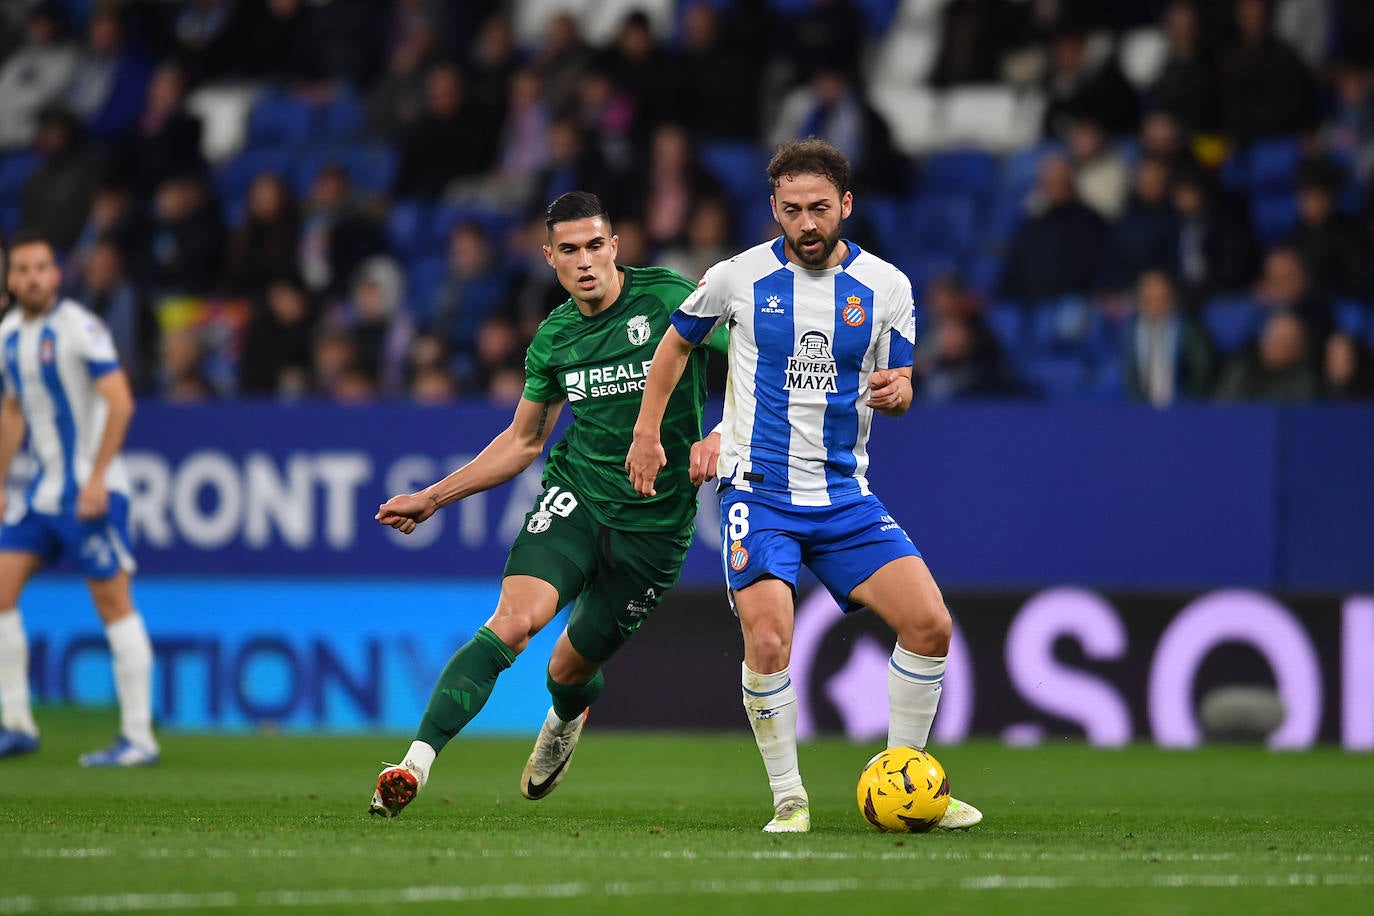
670, 824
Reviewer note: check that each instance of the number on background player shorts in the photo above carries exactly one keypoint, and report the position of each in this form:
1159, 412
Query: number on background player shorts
843, 545
99, 547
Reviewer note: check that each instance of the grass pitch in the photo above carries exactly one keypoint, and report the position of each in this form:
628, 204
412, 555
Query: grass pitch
670, 824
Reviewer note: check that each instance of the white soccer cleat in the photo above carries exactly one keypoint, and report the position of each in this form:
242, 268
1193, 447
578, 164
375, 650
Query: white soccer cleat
551, 758
960, 816
397, 787
792, 815
122, 753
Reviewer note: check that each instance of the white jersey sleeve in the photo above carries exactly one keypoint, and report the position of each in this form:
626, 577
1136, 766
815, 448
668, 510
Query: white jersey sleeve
94, 344
706, 308
897, 340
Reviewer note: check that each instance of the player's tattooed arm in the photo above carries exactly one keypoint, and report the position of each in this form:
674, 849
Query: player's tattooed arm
539, 432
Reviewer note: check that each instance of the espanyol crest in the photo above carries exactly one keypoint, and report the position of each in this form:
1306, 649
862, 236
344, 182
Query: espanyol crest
638, 329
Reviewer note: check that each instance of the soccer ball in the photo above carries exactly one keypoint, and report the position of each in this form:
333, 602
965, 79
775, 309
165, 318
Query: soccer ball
903, 790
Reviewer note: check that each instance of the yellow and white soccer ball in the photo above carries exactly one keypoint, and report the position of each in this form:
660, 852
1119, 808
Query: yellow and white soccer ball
903, 790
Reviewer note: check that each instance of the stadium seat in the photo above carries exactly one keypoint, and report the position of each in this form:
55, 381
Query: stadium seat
1007, 321
912, 114
9, 218
944, 224
742, 168
15, 169
1065, 326
1273, 215
905, 57
982, 270
1057, 378
407, 222
448, 216
1108, 382
278, 119
1265, 165
968, 172
1021, 168
1232, 322
341, 118
1352, 317
878, 14
424, 276
981, 116
1143, 53
233, 177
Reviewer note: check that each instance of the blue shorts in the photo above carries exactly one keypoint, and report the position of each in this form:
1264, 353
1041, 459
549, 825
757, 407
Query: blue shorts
99, 547
843, 545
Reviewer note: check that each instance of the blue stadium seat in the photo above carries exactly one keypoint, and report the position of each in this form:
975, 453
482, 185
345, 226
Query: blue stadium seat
1352, 317
982, 270
1274, 215
341, 118
1004, 218
233, 178
278, 119
1108, 383
9, 218
1070, 325
407, 223
1273, 164
15, 169
1007, 321
884, 220
1021, 169
1232, 322
944, 224
447, 216
741, 168
960, 172
1057, 378
424, 276
878, 14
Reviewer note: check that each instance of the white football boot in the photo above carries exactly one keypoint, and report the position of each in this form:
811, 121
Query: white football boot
959, 816
791, 815
552, 756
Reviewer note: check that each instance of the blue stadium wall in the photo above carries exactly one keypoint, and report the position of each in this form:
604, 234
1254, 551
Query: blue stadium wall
1106, 566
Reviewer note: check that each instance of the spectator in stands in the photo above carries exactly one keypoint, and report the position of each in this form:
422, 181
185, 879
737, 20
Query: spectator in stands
534, 289
1060, 248
574, 162
474, 288
829, 35
1163, 137
1278, 370
670, 187
559, 62
1101, 175
396, 100
336, 233
187, 238
277, 346
208, 36
59, 192
1348, 131
492, 64
182, 378
830, 105
166, 139
453, 140
111, 78
264, 245
1146, 236
33, 76
974, 35
433, 387
382, 328
1077, 86
1333, 251
606, 117
106, 290
524, 148
1266, 89
646, 71
333, 356
1284, 287
1167, 355
113, 218
1348, 370
708, 240
1186, 86
1217, 251
497, 352
724, 94
957, 355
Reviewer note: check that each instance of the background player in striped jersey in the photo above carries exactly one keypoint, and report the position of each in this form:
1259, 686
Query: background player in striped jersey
589, 536
64, 387
821, 336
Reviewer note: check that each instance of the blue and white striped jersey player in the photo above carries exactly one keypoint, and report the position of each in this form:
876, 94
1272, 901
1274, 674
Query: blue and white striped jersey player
63, 387
821, 337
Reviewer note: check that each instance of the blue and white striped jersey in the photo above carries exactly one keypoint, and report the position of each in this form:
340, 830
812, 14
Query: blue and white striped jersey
802, 345
50, 365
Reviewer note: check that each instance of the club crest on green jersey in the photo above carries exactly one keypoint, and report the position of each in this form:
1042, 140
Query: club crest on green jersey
638, 330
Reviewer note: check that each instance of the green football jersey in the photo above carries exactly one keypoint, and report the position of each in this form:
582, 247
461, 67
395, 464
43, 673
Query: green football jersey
599, 364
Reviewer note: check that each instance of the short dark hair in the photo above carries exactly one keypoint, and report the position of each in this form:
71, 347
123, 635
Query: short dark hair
30, 237
812, 156
575, 205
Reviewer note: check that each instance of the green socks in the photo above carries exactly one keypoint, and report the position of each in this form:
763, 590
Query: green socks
464, 687
570, 699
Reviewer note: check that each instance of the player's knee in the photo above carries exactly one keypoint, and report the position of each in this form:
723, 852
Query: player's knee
929, 631
513, 627
767, 650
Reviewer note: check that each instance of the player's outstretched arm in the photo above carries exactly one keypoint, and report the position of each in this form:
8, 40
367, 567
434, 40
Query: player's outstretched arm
646, 457
513, 450
94, 499
889, 391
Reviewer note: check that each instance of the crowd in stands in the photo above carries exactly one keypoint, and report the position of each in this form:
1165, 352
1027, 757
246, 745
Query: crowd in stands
344, 199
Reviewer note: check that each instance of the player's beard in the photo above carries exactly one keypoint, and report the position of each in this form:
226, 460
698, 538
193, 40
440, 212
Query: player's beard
828, 243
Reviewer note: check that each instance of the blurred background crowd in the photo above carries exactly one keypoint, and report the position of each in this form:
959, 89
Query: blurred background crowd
1152, 200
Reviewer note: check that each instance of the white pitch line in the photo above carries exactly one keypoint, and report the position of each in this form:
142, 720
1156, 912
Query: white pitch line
912, 854
336, 897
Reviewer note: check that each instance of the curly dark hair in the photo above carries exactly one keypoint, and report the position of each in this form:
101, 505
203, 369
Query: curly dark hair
812, 156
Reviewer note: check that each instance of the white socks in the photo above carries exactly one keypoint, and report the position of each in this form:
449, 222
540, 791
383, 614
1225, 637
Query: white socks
132, 655
771, 704
419, 759
913, 693
14, 675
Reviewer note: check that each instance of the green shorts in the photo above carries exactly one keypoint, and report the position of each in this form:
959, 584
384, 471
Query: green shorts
617, 577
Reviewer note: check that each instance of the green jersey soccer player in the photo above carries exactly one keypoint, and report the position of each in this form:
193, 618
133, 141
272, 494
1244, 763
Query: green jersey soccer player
589, 536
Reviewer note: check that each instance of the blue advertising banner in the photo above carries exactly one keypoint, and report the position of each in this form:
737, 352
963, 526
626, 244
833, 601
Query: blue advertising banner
1008, 496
